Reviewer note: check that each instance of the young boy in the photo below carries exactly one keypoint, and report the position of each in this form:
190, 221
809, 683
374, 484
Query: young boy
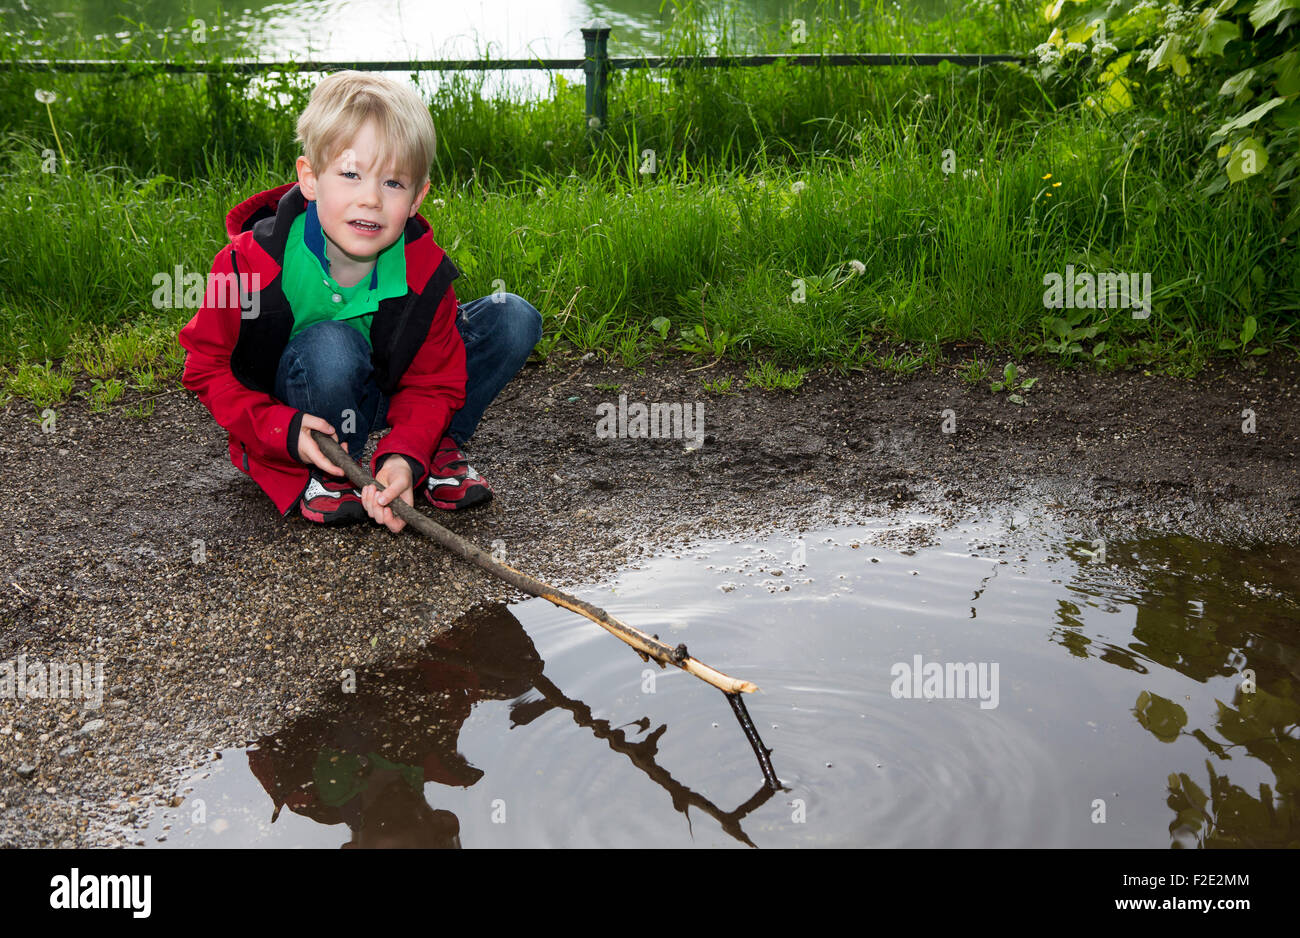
344, 317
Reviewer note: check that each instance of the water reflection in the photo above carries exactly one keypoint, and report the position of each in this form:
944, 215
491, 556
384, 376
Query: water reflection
1160, 680
1209, 611
365, 758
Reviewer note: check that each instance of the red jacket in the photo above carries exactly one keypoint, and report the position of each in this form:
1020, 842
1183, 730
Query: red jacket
235, 340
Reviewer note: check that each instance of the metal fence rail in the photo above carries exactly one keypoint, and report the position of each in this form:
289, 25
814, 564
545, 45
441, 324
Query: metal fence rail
596, 64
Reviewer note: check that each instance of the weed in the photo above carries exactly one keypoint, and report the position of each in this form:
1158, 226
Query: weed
771, 378
40, 384
974, 371
1013, 384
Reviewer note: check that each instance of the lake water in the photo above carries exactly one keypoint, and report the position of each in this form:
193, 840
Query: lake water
382, 29
360, 30
1140, 696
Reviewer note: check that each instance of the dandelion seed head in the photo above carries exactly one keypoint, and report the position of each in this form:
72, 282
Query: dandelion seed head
46, 97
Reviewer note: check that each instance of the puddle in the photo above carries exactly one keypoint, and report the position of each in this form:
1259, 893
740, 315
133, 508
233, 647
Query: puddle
1093, 698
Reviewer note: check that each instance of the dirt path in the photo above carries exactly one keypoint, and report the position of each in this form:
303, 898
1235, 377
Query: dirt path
100, 561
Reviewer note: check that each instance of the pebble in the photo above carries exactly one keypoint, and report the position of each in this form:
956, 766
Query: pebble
94, 726
26, 770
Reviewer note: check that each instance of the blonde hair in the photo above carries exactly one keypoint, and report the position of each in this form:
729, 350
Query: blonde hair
344, 101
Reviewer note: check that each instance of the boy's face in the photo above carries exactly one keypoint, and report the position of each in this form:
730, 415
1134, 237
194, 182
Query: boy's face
362, 207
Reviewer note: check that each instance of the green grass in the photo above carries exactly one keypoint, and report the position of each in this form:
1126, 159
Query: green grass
767, 376
790, 217
974, 371
44, 385
718, 386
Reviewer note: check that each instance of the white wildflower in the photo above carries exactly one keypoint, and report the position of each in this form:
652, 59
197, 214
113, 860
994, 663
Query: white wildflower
1047, 54
798, 186
858, 267
46, 97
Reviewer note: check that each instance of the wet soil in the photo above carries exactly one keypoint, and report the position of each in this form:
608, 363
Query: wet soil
134, 543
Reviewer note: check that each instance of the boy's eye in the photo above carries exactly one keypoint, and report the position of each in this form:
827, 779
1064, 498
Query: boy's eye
352, 174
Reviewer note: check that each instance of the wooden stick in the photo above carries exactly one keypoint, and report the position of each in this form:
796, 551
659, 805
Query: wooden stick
644, 645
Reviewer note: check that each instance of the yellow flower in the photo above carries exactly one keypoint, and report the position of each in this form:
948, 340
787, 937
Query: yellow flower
1048, 176
1055, 184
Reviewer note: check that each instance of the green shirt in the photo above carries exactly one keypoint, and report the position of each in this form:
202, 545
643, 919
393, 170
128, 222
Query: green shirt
315, 296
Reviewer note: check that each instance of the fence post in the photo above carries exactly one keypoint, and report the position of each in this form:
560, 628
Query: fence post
596, 35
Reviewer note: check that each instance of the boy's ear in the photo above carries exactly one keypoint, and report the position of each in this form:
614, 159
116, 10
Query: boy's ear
306, 178
419, 197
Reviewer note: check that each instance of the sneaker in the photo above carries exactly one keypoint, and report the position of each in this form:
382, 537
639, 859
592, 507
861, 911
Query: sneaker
331, 500
453, 483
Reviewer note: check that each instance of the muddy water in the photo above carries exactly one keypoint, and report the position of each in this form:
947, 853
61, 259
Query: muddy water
1109, 703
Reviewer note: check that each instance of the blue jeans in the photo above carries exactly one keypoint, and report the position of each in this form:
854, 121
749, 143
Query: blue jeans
325, 370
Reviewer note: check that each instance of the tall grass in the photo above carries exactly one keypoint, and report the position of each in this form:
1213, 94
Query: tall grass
768, 185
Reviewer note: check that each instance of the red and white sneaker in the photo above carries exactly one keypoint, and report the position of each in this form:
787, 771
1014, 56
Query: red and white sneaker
331, 500
453, 483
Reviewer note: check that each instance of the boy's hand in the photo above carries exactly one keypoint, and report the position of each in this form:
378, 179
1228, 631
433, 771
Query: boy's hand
395, 476
309, 452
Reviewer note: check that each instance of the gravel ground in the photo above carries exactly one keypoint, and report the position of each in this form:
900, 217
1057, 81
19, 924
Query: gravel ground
108, 513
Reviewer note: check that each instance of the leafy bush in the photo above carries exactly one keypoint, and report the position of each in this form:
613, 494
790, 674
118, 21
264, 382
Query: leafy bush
1227, 73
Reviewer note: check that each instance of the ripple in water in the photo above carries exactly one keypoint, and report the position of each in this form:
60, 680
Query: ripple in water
1118, 684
